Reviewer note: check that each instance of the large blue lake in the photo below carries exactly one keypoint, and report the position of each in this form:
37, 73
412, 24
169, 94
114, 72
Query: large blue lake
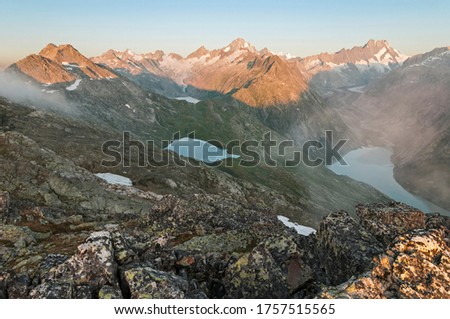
373, 166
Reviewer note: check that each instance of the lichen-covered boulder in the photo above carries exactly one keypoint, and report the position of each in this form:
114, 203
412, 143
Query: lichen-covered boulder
93, 265
420, 263
417, 265
16, 236
386, 221
226, 242
256, 275
438, 221
53, 290
291, 261
109, 292
17, 286
48, 262
344, 247
84, 292
149, 283
122, 250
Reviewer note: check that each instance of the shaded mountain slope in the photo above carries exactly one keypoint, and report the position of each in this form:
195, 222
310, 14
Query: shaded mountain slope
411, 107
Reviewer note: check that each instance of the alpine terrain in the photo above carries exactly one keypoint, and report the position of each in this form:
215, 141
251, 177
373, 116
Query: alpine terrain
95, 204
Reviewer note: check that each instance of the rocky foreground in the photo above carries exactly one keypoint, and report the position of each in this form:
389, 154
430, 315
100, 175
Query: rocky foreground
205, 246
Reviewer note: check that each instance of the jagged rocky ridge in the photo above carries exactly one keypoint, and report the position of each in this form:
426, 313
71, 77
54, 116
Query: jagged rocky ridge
206, 246
257, 78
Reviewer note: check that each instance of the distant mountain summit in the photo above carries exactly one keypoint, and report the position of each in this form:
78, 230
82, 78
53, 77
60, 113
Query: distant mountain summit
57, 64
202, 51
238, 45
435, 56
43, 69
347, 68
257, 78
131, 62
66, 54
373, 52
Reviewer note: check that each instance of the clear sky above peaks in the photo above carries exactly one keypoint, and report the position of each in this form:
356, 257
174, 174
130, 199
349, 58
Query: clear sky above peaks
299, 27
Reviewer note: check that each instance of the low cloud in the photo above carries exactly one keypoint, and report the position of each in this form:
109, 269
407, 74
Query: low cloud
29, 93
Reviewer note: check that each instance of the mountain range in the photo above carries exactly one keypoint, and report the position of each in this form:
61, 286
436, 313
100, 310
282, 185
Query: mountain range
242, 71
256, 78
296, 97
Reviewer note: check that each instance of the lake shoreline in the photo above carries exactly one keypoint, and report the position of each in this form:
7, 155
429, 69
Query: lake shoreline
373, 165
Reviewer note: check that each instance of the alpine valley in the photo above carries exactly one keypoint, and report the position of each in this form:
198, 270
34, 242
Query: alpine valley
73, 227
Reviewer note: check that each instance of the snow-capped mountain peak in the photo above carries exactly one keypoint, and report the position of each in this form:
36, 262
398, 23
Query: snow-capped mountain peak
286, 56
376, 53
200, 52
239, 44
382, 53
376, 43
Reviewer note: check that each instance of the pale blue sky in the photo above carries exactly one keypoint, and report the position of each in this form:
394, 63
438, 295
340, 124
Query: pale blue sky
300, 27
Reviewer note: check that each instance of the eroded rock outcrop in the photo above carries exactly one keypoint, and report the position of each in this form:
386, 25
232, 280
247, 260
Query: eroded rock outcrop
149, 283
385, 222
437, 221
345, 247
255, 275
93, 265
53, 290
205, 246
417, 265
